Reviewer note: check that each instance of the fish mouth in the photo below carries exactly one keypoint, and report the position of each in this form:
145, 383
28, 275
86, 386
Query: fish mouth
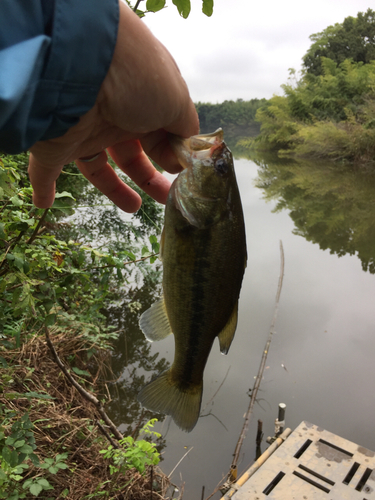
197, 147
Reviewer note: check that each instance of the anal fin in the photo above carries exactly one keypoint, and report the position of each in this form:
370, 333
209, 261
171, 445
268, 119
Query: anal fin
227, 333
154, 322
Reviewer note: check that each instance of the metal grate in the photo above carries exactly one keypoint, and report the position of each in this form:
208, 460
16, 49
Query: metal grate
313, 464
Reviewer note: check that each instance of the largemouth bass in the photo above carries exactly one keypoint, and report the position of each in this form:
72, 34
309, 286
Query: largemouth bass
203, 249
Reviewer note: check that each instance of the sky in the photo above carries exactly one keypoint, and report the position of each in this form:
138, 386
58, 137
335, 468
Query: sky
244, 50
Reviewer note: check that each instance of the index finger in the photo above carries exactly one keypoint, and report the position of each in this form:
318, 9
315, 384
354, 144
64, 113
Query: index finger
132, 160
43, 181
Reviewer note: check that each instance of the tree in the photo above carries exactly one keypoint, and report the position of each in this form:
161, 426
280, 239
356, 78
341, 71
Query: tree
352, 39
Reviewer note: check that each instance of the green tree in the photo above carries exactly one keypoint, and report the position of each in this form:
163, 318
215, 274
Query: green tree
354, 39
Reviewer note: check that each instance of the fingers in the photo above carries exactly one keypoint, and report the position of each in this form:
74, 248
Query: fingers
156, 145
187, 124
43, 180
132, 160
102, 176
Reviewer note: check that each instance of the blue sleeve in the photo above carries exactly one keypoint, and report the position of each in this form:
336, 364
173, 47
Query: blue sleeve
54, 56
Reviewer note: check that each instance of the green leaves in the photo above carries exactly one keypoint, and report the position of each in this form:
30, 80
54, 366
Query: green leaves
183, 7
53, 465
137, 454
37, 485
155, 5
78, 371
15, 450
208, 7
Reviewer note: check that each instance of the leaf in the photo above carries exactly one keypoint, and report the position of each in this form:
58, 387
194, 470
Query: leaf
130, 255
34, 459
14, 458
18, 444
17, 202
6, 454
33, 394
35, 489
183, 7
208, 7
81, 372
61, 465
64, 194
155, 5
19, 262
50, 320
26, 448
46, 485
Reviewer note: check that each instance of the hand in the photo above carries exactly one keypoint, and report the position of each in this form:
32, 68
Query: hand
142, 98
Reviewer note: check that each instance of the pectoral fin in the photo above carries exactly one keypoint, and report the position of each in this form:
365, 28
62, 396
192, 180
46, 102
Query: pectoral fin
227, 333
154, 322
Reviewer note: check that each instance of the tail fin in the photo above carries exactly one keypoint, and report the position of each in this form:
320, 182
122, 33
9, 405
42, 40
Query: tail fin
163, 395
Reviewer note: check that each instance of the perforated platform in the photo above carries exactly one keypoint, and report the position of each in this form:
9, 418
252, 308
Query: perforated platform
313, 464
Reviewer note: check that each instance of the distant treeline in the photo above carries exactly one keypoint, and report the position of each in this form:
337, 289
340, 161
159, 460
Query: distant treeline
329, 112
236, 118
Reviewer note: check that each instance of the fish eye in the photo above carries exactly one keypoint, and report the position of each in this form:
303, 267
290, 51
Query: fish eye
221, 167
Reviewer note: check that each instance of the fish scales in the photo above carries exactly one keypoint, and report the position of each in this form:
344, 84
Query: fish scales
204, 257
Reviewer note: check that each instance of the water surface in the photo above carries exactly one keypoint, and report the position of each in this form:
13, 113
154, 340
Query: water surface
325, 330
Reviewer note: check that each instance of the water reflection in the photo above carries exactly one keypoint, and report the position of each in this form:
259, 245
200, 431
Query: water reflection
330, 205
132, 363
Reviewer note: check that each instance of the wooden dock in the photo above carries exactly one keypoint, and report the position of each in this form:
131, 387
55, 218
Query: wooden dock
310, 464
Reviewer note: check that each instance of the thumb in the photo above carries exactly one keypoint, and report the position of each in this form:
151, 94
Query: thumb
43, 181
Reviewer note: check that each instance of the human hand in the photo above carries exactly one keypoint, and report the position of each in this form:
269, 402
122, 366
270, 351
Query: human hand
142, 98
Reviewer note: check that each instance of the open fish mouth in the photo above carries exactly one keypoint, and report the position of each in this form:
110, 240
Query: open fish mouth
198, 147
205, 142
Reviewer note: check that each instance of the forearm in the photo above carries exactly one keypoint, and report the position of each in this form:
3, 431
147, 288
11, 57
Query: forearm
54, 56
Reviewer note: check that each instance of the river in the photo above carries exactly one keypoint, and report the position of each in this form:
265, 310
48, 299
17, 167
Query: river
321, 359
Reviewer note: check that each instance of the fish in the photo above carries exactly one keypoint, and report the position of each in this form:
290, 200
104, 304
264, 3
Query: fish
203, 250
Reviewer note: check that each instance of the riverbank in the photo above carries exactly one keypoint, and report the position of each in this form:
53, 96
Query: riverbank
57, 440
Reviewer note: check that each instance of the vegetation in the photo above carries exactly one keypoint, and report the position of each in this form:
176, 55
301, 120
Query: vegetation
64, 276
51, 439
330, 111
183, 7
354, 39
236, 118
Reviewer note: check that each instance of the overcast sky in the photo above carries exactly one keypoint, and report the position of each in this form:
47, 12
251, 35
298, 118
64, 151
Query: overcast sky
245, 49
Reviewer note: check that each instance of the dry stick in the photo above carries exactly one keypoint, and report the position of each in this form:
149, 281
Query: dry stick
35, 233
151, 481
261, 367
178, 463
105, 433
90, 397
